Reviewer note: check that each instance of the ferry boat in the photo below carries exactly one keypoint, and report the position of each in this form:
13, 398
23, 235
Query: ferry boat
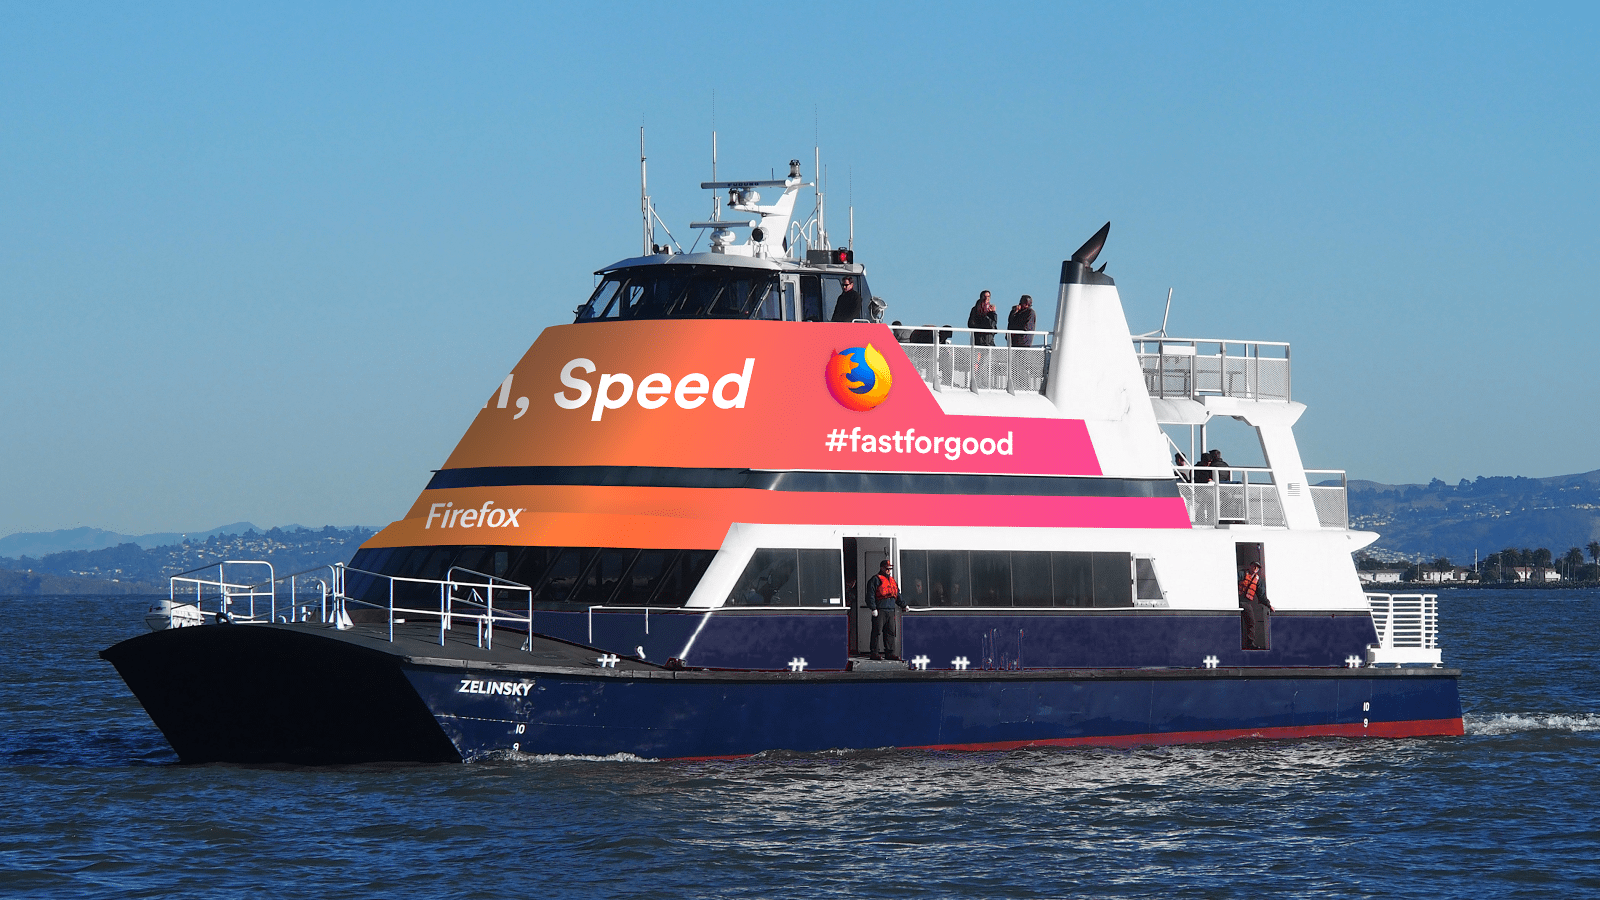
657, 536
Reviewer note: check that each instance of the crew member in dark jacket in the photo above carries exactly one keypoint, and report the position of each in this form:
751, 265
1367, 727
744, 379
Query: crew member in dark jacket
848, 307
883, 597
1022, 318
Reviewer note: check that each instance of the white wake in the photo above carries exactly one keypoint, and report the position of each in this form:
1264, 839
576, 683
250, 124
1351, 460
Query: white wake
1517, 723
515, 756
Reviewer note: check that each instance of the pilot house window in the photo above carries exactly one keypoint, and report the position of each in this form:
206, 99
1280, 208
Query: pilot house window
685, 292
669, 291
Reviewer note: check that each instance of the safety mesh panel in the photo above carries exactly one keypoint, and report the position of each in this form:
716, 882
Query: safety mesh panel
953, 366
1332, 507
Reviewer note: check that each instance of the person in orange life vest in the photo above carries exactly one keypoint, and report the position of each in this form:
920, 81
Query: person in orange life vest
1253, 600
883, 598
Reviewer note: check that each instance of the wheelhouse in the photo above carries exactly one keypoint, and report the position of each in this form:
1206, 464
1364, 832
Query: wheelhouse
715, 286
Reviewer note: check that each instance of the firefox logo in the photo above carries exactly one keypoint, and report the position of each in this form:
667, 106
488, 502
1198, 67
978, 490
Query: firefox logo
858, 377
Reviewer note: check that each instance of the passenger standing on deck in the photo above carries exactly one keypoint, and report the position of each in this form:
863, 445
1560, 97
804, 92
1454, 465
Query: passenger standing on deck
848, 306
1181, 465
1022, 318
1253, 602
1221, 465
983, 315
883, 595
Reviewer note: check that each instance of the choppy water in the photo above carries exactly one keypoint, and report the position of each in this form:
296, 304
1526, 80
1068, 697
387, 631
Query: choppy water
94, 803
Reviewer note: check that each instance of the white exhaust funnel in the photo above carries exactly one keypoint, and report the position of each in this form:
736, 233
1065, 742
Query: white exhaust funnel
1094, 372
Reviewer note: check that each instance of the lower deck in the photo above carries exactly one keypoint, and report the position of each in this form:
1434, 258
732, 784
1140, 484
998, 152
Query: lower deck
313, 693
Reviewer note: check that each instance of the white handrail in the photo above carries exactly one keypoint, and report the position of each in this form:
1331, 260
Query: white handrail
1407, 626
1175, 368
226, 591
332, 600
1179, 342
447, 612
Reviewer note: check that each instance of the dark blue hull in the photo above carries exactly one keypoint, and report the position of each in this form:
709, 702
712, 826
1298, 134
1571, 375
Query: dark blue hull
309, 694
698, 715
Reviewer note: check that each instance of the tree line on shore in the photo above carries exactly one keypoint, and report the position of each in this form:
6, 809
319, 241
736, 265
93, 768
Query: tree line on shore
1503, 566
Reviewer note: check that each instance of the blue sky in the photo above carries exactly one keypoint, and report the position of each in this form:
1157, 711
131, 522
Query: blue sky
266, 263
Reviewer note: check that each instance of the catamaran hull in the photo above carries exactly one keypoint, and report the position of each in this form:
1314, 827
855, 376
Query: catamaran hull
251, 694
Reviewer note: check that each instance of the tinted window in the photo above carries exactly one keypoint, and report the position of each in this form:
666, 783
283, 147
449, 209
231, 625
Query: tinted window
821, 583
1146, 586
473, 559
1113, 579
1021, 578
1030, 579
947, 578
1073, 577
645, 576
558, 575
531, 564
913, 577
562, 580
603, 302
768, 580
682, 576
683, 292
811, 299
600, 580
991, 577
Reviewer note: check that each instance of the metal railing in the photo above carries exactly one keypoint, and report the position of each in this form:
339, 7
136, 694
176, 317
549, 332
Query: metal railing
324, 595
1249, 496
974, 367
476, 607
281, 598
1195, 367
221, 592
1408, 629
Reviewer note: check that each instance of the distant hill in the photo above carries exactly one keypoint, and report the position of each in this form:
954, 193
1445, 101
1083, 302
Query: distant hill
43, 543
1424, 521
130, 568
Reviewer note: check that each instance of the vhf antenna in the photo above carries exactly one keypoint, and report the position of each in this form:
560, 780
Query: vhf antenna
644, 200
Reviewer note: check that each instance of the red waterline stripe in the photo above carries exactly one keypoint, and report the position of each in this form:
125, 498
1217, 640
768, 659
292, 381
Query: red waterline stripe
1412, 728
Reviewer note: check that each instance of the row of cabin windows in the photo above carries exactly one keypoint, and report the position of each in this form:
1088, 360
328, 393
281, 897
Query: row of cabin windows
713, 292
1065, 578
943, 578
559, 576
620, 576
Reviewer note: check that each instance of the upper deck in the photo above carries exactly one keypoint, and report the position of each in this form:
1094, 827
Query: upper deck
1192, 368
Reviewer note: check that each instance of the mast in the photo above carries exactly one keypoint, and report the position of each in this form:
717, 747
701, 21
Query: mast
644, 200
822, 227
